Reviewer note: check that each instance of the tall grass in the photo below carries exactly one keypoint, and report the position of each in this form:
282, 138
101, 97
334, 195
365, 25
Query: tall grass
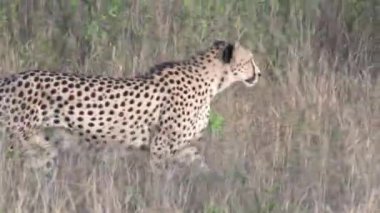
305, 139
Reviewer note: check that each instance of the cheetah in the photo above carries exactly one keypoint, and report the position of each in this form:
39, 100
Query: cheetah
161, 111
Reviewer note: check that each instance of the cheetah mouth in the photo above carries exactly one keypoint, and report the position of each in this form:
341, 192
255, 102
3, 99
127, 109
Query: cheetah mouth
251, 81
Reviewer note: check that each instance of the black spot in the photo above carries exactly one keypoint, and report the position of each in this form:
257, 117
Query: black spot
59, 98
144, 147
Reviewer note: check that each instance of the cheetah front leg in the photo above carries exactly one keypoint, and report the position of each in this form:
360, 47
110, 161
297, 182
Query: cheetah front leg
159, 152
165, 151
188, 156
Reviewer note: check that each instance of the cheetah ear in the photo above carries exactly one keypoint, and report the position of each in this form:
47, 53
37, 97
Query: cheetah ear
227, 53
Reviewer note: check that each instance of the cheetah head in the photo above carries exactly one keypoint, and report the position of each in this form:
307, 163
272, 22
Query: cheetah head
239, 64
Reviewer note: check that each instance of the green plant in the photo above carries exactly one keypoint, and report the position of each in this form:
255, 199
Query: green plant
216, 122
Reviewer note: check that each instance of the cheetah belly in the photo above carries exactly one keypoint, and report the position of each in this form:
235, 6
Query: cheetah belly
112, 134
99, 128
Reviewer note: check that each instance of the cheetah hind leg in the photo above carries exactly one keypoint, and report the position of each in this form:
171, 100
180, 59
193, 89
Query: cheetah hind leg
41, 154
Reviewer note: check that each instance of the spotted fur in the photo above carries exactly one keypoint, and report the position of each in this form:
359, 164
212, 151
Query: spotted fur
161, 111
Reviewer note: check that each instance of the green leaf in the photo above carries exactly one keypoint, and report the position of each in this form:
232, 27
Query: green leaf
216, 122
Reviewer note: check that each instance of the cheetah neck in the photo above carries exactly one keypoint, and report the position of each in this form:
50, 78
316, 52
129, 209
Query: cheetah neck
217, 79
214, 70
221, 81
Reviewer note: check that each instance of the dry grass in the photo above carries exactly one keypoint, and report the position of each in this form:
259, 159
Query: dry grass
305, 139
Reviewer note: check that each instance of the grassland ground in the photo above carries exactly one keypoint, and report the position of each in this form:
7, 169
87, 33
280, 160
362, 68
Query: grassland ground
305, 139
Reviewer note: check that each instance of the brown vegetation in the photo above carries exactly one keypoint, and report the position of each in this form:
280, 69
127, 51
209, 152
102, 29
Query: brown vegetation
305, 139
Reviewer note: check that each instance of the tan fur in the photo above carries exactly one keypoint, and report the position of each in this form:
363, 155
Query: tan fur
161, 111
